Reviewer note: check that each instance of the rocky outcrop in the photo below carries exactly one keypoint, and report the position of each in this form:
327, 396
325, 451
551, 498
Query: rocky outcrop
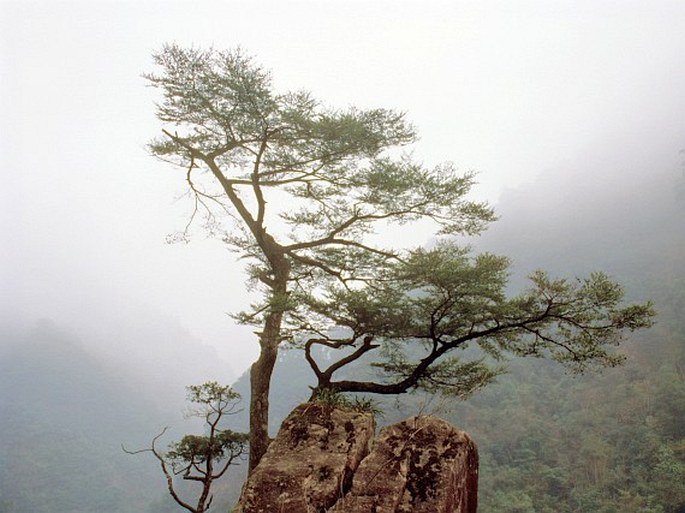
420, 465
310, 464
322, 461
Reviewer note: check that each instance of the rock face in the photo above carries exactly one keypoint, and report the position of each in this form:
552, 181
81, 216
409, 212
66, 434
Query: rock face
322, 461
310, 464
420, 465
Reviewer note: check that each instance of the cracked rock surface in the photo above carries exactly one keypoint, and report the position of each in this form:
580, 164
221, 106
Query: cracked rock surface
421, 465
323, 460
310, 464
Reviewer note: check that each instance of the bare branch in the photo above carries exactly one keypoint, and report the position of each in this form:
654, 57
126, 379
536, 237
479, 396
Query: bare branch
261, 205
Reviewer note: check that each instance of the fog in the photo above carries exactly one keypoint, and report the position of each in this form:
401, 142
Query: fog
569, 110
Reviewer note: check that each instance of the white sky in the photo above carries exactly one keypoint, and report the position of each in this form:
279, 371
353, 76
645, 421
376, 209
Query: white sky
512, 89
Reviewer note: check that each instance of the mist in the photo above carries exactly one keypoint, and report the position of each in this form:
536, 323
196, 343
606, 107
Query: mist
578, 218
558, 104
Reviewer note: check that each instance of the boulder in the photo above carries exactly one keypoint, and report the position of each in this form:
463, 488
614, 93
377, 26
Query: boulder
322, 461
310, 464
420, 465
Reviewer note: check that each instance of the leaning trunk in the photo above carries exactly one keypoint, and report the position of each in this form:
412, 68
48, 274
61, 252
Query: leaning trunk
260, 381
262, 369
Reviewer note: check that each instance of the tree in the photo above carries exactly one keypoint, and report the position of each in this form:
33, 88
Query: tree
297, 190
284, 164
202, 458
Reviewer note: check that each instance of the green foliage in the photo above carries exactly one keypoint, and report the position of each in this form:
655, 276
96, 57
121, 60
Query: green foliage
192, 451
346, 402
555, 442
596, 443
253, 155
295, 188
448, 376
196, 450
419, 310
212, 394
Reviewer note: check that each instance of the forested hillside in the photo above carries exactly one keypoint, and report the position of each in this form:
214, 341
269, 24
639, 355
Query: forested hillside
553, 442
63, 416
613, 442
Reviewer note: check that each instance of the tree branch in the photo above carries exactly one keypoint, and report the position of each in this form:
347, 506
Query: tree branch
261, 204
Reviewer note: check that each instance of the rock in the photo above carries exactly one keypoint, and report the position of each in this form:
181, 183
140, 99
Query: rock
420, 465
310, 464
320, 462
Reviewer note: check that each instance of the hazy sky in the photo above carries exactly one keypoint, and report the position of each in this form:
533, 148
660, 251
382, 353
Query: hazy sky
515, 90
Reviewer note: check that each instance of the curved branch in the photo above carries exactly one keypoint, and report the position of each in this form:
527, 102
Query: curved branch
361, 351
165, 470
412, 380
316, 263
330, 240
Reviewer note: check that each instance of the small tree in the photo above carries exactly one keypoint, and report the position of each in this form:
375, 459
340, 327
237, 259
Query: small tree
202, 458
297, 190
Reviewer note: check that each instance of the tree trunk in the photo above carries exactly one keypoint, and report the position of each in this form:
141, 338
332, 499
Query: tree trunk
262, 369
260, 381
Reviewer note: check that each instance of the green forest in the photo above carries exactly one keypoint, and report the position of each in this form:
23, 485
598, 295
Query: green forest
551, 441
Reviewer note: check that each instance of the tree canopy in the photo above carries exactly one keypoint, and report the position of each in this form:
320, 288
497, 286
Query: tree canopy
442, 299
298, 189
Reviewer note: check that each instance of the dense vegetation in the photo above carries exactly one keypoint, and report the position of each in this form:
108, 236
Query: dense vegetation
612, 443
297, 190
553, 442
